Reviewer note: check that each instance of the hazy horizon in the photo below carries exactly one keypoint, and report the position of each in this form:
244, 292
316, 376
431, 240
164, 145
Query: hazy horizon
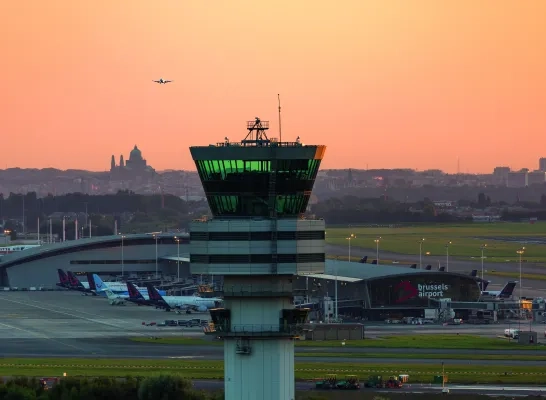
401, 84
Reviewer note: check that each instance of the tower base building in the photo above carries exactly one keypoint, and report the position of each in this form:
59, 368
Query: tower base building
258, 190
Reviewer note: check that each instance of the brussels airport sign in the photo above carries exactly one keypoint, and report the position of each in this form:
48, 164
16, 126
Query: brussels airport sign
408, 291
428, 291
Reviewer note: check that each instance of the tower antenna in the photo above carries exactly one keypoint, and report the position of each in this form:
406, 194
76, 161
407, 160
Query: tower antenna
280, 131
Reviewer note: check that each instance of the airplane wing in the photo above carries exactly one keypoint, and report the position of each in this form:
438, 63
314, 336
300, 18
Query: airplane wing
156, 81
167, 81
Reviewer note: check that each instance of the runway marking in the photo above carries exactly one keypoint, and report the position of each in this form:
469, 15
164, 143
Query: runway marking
96, 321
42, 336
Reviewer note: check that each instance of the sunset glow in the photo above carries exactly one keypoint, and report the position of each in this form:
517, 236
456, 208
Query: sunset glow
382, 83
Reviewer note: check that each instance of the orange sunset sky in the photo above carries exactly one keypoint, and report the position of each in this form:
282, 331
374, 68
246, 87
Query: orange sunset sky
383, 83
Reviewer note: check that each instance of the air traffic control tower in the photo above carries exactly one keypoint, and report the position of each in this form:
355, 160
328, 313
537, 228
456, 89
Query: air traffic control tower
258, 190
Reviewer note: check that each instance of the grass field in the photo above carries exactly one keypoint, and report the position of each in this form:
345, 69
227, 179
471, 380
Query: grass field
303, 371
503, 239
396, 342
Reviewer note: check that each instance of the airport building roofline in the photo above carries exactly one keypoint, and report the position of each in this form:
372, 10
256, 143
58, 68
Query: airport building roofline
53, 249
331, 277
366, 271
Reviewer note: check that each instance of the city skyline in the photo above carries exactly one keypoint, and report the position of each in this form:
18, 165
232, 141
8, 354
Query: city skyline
421, 84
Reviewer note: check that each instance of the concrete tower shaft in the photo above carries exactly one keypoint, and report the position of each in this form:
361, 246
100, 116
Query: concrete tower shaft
258, 190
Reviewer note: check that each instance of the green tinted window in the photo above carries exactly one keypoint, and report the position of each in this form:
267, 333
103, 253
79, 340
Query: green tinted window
244, 187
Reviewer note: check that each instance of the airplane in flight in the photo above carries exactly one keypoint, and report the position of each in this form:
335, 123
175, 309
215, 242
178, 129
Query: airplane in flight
117, 287
187, 303
162, 82
504, 293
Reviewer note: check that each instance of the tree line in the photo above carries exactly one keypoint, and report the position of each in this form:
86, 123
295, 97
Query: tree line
13, 205
353, 209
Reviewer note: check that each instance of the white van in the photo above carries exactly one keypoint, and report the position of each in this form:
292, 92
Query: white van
511, 333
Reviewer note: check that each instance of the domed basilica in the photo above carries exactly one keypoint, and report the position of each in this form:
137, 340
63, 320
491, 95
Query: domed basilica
135, 166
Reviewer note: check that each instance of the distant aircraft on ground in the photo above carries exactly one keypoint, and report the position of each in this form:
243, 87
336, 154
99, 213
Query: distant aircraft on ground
504, 293
115, 299
116, 287
161, 81
186, 303
69, 281
4, 250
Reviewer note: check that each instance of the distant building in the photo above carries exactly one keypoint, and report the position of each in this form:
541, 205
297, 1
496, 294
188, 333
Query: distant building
517, 179
135, 166
444, 203
536, 178
542, 164
500, 175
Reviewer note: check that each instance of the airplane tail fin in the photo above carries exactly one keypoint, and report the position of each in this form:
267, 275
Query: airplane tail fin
91, 281
474, 272
63, 279
73, 280
364, 260
442, 269
133, 292
99, 284
484, 285
110, 294
428, 267
508, 289
153, 294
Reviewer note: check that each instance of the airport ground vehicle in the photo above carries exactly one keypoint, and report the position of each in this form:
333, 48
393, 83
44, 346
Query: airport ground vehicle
331, 382
377, 381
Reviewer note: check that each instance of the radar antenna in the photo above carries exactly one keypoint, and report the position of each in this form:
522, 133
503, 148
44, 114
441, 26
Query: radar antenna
256, 132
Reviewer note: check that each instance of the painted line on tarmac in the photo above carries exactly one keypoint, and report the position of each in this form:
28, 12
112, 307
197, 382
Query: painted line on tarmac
93, 320
42, 336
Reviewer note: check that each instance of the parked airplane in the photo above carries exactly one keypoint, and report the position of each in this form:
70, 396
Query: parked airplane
136, 297
114, 299
12, 249
69, 281
186, 303
117, 287
504, 293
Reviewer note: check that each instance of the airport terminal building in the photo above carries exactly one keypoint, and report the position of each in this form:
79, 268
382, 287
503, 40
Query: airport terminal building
135, 254
380, 292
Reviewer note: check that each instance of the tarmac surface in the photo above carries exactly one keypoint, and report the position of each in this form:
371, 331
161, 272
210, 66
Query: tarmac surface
67, 324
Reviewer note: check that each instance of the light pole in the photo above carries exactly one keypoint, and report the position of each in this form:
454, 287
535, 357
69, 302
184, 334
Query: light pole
122, 258
520, 252
177, 257
420, 253
377, 249
483, 247
335, 291
351, 237
155, 237
447, 256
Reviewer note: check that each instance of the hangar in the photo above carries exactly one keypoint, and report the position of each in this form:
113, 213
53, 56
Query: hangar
379, 292
135, 254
